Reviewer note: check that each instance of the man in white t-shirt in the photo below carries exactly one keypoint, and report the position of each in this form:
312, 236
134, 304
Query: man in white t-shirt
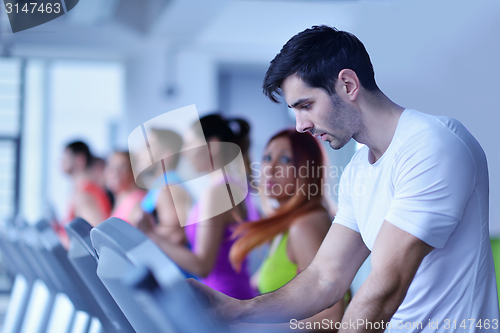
415, 197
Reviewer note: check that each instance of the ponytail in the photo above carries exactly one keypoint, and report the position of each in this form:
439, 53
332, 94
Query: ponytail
234, 130
241, 131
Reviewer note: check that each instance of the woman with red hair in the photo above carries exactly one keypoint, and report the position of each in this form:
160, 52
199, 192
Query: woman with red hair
292, 180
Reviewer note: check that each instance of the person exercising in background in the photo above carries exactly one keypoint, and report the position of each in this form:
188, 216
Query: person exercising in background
415, 197
207, 229
295, 222
158, 203
88, 200
97, 173
120, 180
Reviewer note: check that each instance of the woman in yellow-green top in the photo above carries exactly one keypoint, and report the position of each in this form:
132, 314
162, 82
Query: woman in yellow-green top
277, 269
292, 184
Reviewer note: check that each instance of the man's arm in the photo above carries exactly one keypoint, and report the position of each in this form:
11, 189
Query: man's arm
318, 287
395, 259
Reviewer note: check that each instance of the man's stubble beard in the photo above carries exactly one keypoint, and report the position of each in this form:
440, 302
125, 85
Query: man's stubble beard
345, 117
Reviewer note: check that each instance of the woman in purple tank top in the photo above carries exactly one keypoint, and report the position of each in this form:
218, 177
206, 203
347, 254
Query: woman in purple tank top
218, 211
222, 276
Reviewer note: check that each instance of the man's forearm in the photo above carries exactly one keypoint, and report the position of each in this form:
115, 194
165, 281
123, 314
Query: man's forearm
303, 297
371, 309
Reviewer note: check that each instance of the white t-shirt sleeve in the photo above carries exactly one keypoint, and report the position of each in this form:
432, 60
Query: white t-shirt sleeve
345, 213
433, 181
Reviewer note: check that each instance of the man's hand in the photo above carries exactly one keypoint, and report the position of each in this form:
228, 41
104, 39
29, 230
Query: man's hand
219, 305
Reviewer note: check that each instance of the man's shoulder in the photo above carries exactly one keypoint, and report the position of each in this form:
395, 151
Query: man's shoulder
432, 126
428, 142
420, 126
439, 134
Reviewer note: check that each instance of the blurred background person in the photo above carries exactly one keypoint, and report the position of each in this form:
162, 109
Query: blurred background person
120, 180
88, 199
97, 171
158, 206
292, 184
210, 239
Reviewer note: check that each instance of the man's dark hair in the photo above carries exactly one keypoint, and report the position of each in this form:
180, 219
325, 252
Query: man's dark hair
79, 147
317, 55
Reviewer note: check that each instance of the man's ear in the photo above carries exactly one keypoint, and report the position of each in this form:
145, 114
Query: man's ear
348, 84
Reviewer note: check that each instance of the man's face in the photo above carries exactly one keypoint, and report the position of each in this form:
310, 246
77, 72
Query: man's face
327, 117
